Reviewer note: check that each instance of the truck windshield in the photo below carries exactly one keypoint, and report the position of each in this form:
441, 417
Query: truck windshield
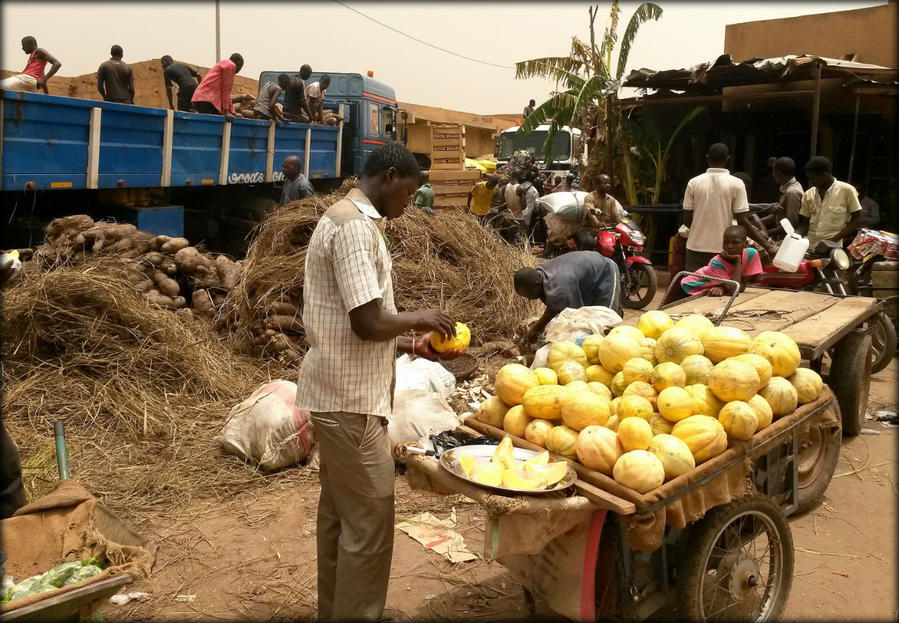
510, 142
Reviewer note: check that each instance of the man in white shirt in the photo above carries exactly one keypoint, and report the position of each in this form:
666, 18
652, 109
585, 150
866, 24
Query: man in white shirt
830, 208
711, 202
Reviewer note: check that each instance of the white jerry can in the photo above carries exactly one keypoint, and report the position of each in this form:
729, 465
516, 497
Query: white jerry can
791, 250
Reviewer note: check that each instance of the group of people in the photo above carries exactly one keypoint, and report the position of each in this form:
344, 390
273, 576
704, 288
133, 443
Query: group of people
210, 94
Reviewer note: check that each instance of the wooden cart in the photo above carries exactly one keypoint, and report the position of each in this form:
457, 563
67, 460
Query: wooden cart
713, 544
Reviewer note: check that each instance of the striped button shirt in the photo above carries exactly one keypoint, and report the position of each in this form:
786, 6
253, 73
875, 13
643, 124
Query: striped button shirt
347, 265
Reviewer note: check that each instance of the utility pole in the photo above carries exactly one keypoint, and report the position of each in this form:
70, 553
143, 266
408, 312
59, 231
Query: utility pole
218, 37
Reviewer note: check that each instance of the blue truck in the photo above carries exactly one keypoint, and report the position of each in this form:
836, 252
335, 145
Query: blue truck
63, 155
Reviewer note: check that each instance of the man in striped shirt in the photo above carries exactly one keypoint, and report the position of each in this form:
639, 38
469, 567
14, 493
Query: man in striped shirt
347, 378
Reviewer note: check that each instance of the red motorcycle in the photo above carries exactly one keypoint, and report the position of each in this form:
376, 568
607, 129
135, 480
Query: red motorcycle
638, 279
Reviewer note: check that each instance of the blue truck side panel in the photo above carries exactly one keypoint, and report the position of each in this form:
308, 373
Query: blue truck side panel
196, 149
130, 145
249, 140
321, 153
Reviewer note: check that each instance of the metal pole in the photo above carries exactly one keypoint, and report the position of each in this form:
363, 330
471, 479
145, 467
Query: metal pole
816, 109
858, 97
62, 459
218, 36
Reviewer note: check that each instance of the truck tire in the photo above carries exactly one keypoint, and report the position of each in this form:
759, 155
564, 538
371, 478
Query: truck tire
819, 453
850, 379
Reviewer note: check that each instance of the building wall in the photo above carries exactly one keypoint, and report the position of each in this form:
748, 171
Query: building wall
870, 33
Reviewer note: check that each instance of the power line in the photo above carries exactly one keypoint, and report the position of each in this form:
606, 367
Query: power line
436, 47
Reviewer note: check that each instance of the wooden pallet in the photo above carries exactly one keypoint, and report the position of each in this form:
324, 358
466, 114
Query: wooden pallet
447, 147
451, 188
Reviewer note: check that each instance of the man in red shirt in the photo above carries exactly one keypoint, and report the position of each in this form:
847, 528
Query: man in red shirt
213, 95
32, 77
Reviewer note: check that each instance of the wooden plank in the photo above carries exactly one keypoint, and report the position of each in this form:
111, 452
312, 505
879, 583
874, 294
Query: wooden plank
456, 141
821, 329
461, 174
711, 304
445, 188
446, 166
604, 499
777, 310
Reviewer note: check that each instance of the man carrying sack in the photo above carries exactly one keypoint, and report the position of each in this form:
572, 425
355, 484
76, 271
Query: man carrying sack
347, 378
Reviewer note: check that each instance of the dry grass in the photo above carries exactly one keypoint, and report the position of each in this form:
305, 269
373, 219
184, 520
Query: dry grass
143, 394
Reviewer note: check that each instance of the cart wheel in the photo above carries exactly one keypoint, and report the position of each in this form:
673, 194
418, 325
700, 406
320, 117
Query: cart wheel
819, 453
883, 341
638, 286
850, 379
739, 565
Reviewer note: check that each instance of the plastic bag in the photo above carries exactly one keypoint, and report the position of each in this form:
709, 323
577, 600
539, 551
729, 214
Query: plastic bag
267, 428
566, 205
418, 414
576, 324
63, 574
424, 375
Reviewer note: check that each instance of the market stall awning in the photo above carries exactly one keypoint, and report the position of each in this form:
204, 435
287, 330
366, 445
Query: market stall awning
724, 72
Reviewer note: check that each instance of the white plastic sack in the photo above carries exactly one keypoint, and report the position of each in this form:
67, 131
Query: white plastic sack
566, 205
417, 414
267, 428
574, 325
425, 375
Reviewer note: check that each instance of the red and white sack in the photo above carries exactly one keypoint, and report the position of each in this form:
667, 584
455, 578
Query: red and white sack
268, 429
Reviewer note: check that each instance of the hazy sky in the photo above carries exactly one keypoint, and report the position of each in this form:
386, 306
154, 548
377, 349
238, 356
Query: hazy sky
330, 37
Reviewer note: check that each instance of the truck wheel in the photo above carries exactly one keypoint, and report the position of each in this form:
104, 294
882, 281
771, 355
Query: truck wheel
739, 565
819, 453
883, 341
638, 286
850, 379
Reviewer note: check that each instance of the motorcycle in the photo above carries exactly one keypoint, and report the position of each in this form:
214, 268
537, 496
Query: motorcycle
822, 270
622, 244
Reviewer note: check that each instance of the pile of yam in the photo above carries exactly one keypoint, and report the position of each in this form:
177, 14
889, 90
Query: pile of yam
243, 105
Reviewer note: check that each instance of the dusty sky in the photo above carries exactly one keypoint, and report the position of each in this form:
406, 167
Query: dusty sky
331, 37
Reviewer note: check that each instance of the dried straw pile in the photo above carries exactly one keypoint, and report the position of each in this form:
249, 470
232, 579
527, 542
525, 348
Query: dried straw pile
448, 261
143, 393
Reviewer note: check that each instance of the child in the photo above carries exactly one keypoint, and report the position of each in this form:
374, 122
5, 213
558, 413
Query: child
736, 262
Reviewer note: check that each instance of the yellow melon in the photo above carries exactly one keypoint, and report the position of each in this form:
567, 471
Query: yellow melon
634, 433
808, 385
492, 412
613, 406
762, 411
676, 344
632, 333
633, 406
719, 343
734, 380
562, 440
761, 365
612, 423
512, 381
640, 470
569, 371
779, 349
584, 408
544, 402
561, 352
659, 424
668, 374
704, 435
707, 402
590, 345
458, 342
641, 388
637, 369
697, 369
739, 420
781, 395
674, 454
600, 375
504, 454
515, 421
598, 448
616, 350
696, 324
525, 480
675, 403
654, 323
546, 376
618, 384
537, 430
599, 388
648, 350
576, 385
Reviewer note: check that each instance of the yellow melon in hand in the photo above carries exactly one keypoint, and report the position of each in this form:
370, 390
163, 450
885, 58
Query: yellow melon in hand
458, 342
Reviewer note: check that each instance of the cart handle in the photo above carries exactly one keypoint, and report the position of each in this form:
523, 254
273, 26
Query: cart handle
675, 282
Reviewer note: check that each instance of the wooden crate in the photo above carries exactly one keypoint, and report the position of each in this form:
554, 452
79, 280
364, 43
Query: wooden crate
451, 188
447, 147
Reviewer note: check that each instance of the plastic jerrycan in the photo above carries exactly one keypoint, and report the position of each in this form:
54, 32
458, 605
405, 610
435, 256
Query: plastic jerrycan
791, 250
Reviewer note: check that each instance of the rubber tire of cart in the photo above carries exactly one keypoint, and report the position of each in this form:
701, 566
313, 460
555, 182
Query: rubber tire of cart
811, 486
636, 271
690, 568
884, 348
850, 379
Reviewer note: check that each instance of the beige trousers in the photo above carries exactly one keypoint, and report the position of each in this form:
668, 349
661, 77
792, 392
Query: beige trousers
355, 516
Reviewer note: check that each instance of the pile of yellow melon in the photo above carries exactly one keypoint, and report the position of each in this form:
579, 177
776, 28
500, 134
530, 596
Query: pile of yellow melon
646, 404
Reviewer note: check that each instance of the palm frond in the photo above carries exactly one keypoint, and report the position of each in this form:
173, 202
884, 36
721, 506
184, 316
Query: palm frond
550, 108
587, 94
558, 68
610, 36
645, 12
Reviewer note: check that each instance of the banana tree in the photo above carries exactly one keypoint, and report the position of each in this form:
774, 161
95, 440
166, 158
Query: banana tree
659, 155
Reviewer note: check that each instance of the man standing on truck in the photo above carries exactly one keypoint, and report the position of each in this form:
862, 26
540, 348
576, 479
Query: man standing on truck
115, 79
529, 109
213, 95
187, 78
32, 77
296, 185
346, 382
269, 93
315, 97
296, 107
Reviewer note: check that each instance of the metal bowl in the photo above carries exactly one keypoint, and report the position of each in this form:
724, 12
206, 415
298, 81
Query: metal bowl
450, 462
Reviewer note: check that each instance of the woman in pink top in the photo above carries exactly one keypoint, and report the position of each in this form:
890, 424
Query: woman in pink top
213, 94
736, 262
33, 77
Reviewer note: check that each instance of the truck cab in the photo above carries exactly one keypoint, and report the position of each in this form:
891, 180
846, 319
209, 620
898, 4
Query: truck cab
369, 113
566, 151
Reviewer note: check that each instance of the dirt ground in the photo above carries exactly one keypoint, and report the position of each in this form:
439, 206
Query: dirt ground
254, 559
